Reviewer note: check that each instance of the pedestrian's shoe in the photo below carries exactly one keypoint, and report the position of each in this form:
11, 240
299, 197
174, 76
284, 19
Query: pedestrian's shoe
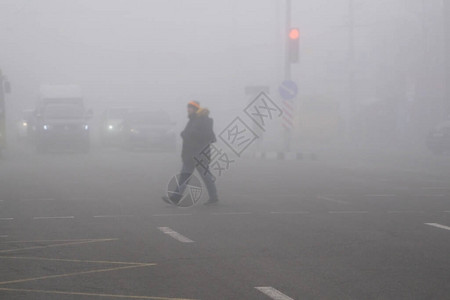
169, 201
211, 201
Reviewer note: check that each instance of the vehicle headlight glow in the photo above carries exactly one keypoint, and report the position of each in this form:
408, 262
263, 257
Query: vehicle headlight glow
110, 127
24, 124
45, 127
86, 127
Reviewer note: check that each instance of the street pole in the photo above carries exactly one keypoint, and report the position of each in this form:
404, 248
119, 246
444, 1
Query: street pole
287, 70
287, 63
351, 66
2, 114
446, 22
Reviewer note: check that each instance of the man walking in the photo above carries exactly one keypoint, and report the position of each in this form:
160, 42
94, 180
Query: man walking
197, 137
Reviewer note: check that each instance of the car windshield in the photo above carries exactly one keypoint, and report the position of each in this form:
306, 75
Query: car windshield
68, 101
63, 112
148, 118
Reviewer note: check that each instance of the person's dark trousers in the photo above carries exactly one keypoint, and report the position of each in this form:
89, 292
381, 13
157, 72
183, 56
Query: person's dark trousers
186, 173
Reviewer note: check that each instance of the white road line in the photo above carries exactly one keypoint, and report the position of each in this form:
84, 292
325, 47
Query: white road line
113, 216
348, 212
273, 293
406, 211
326, 198
435, 188
380, 195
171, 215
290, 212
231, 213
175, 235
42, 199
438, 226
6, 219
46, 218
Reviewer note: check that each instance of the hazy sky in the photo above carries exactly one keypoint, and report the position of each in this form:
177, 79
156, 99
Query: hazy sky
143, 49
163, 53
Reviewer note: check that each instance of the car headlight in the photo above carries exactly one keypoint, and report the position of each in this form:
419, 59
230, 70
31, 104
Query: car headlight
46, 127
110, 127
86, 127
25, 124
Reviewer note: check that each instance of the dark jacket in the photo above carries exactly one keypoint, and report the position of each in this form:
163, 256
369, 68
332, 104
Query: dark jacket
197, 136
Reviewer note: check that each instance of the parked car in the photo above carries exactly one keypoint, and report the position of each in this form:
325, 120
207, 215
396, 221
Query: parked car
62, 126
25, 125
149, 129
438, 139
111, 125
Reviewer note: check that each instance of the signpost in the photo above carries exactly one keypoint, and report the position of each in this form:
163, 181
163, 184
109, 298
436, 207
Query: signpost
288, 91
4, 88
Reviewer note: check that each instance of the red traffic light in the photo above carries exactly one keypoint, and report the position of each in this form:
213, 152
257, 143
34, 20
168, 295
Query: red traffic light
294, 34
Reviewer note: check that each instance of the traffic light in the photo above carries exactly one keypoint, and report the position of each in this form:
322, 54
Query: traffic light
293, 45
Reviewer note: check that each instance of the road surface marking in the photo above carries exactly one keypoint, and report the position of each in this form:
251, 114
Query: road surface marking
171, 215
57, 245
75, 274
114, 216
46, 241
438, 226
268, 196
3, 236
290, 212
83, 199
273, 293
435, 188
231, 213
88, 294
348, 212
175, 235
406, 212
6, 219
48, 218
380, 195
331, 199
73, 260
41, 199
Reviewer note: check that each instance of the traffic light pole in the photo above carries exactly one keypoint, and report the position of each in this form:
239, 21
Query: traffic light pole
287, 69
287, 63
446, 22
2, 114
352, 105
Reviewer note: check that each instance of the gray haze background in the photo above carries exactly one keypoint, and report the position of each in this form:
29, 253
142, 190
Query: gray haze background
160, 54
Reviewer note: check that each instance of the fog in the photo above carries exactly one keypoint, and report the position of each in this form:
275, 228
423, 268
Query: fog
163, 53
95, 96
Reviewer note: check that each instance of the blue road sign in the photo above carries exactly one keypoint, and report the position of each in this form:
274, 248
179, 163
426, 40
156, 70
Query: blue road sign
288, 90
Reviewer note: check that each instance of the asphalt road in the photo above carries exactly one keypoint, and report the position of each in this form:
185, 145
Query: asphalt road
93, 226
